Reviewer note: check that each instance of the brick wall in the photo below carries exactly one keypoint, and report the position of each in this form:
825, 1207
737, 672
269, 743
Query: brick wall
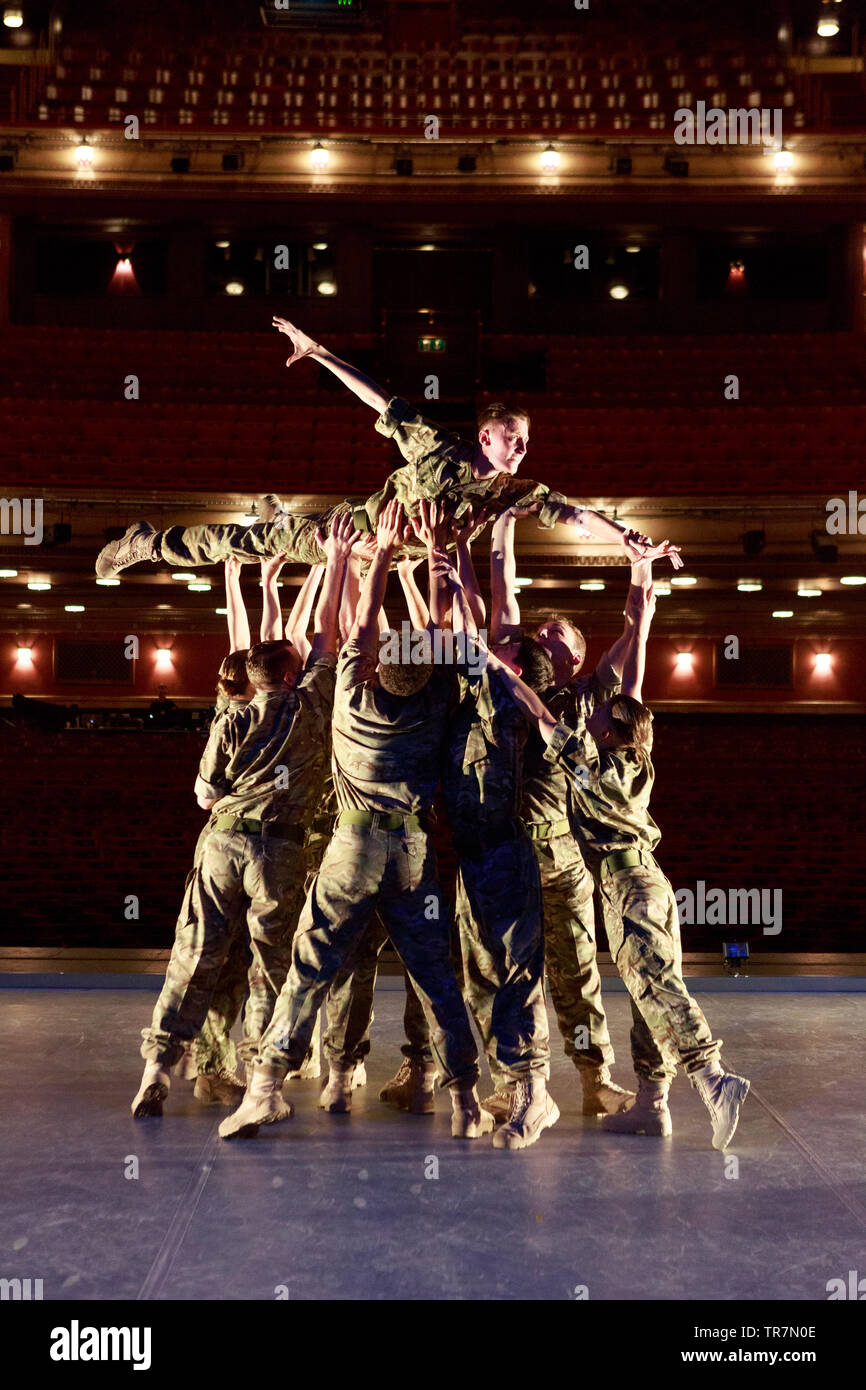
743, 801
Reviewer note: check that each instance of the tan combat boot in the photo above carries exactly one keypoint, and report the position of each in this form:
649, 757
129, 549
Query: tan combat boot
152, 1092
262, 1103
723, 1093
336, 1095
412, 1088
601, 1096
648, 1115
532, 1110
218, 1088
468, 1119
136, 544
499, 1104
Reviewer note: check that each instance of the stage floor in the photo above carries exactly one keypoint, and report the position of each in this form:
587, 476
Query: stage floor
350, 1207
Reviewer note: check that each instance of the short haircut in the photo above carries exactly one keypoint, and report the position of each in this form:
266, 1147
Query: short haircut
269, 662
632, 723
497, 411
233, 677
404, 678
535, 665
579, 639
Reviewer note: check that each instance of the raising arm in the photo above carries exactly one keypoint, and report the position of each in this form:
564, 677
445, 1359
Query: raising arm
236, 613
304, 346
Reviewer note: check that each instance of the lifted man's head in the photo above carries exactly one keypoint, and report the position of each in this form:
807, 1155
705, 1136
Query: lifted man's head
272, 665
529, 660
503, 436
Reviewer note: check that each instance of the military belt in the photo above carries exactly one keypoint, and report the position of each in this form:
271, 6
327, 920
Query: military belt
278, 830
383, 820
623, 859
472, 844
321, 825
547, 829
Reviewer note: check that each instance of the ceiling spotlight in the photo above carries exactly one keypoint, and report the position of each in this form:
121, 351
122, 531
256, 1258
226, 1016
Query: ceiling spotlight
523, 582
319, 156
783, 612
684, 661
73, 607
632, 250
828, 24
662, 590
749, 586
199, 588
39, 586
783, 159
550, 160
326, 287
8, 574
592, 586
427, 246
853, 580
753, 542
84, 154
184, 576
222, 611
823, 663
619, 290
234, 287
320, 246
13, 16
163, 657
108, 583
808, 593
25, 656
683, 580
222, 245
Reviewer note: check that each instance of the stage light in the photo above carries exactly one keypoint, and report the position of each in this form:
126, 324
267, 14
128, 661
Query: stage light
523, 582
162, 657
550, 160
234, 287
683, 581
808, 593
735, 956
13, 16
783, 612
828, 24
427, 246
753, 542
39, 586
684, 661
108, 583
853, 580
749, 586
73, 607
592, 586
783, 160
619, 291
222, 245
84, 155
662, 590
199, 588
222, 611
326, 287
185, 576
632, 250
8, 574
320, 246
823, 663
319, 156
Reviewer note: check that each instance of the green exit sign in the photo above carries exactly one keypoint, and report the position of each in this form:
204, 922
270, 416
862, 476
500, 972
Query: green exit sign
431, 344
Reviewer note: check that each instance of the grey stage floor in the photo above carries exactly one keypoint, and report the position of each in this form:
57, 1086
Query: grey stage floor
348, 1207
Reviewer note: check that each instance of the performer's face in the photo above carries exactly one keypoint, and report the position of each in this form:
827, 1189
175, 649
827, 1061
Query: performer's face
504, 443
600, 727
561, 644
507, 654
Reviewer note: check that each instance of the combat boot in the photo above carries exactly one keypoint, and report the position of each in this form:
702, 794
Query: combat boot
336, 1095
311, 1067
648, 1115
499, 1104
412, 1088
723, 1093
532, 1110
468, 1120
187, 1068
152, 1091
360, 1076
601, 1096
137, 543
218, 1088
262, 1104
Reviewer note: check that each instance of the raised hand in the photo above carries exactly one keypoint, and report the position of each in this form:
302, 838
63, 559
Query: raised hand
232, 567
431, 525
442, 566
343, 536
640, 547
302, 343
271, 566
389, 531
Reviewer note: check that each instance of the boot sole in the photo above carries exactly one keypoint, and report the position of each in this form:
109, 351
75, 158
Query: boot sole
473, 1130
151, 1103
743, 1088
521, 1141
336, 1107
646, 1130
251, 1129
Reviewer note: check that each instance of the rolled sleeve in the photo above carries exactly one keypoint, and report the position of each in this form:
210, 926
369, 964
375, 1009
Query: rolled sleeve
396, 413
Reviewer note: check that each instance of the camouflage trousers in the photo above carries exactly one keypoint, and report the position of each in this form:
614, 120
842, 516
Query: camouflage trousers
349, 1006
366, 870
501, 930
640, 918
244, 887
570, 952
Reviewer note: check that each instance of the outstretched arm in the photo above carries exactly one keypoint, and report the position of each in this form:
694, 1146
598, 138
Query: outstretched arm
419, 613
389, 533
337, 547
504, 607
642, 603
526, 700
299, 619
271, 628
236, 613
634, 543
304, 346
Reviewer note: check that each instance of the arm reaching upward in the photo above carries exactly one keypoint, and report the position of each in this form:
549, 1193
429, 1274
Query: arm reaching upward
389, 533
642, 601
271, 627
338, 548
419, 613
504, 607
299, 619
304, 346
236, 613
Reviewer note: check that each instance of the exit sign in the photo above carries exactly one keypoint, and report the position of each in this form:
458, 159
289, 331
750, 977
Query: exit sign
431, 344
